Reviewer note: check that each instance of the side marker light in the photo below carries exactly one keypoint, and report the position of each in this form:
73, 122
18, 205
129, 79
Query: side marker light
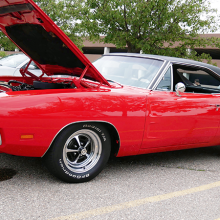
27, 136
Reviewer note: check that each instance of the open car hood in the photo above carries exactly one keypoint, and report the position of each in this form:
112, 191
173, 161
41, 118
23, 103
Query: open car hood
43, 41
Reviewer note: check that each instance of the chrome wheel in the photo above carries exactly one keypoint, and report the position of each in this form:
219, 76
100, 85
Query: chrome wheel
79, 153
82, 151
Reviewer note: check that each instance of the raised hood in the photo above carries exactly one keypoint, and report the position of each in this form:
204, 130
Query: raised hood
42, 40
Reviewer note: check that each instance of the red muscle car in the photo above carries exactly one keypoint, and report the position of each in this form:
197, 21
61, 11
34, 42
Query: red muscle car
77, 113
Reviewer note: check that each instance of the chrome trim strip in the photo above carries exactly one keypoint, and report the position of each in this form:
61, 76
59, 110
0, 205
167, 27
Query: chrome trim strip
136, 55
172, 86
0, 140
161, 76
158, 74
77, 123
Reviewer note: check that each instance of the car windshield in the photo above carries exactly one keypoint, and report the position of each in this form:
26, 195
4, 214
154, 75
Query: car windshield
131, 71
13, 60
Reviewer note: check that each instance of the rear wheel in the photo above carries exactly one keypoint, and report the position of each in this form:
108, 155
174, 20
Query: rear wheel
79, 153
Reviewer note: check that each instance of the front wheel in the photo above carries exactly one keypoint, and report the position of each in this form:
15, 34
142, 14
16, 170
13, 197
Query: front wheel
79, 153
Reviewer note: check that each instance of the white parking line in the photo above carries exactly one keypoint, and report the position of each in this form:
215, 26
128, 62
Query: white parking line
135, 203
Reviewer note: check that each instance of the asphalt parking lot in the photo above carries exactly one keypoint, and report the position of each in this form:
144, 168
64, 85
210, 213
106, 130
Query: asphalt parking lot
171, 185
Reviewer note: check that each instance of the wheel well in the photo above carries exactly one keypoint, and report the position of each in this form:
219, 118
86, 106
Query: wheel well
115, 139
113, 133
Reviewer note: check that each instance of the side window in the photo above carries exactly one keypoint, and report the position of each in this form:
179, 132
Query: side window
165, 83
36, 67
33, 64
196, 79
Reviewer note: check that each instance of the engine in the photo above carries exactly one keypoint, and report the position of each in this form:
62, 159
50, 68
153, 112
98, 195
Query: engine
14, 85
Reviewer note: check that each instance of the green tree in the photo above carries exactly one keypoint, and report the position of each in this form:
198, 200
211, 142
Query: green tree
6, 43
58, 11
165, 27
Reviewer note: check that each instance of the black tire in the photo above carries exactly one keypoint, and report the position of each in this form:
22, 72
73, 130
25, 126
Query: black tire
79, 153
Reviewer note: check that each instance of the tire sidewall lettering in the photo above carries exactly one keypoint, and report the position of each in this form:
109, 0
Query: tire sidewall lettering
97, 129
70, 174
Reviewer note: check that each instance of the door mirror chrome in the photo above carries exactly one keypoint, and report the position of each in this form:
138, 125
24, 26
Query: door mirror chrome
180, 87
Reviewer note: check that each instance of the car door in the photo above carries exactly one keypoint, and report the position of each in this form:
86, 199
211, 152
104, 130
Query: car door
173, 120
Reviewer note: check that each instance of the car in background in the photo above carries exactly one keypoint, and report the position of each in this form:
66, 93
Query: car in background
11, 65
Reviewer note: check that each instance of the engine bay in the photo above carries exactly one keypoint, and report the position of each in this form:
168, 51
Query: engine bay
52, 83
29, 81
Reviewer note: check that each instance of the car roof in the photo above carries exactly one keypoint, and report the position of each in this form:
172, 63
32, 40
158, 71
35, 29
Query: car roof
170, 59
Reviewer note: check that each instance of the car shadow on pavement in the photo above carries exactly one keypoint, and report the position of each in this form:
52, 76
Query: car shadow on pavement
171, 155
195, 159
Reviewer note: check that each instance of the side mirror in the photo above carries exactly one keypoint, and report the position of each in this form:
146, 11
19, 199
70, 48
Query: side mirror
179, 87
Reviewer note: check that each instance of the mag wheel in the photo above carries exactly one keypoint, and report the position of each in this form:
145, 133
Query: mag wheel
82, 151
79, 153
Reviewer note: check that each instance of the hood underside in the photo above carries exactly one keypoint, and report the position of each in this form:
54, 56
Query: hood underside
42, 46
42, 40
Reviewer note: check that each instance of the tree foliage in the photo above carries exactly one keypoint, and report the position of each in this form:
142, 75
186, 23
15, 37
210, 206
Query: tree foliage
2, 54
63, 16
165, 27
6, 43
57, 11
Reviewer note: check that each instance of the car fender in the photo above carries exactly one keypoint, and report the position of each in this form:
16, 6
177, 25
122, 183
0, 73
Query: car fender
115, 138
42, 114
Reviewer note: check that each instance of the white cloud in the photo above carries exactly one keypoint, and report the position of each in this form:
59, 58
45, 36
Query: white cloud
215, 4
